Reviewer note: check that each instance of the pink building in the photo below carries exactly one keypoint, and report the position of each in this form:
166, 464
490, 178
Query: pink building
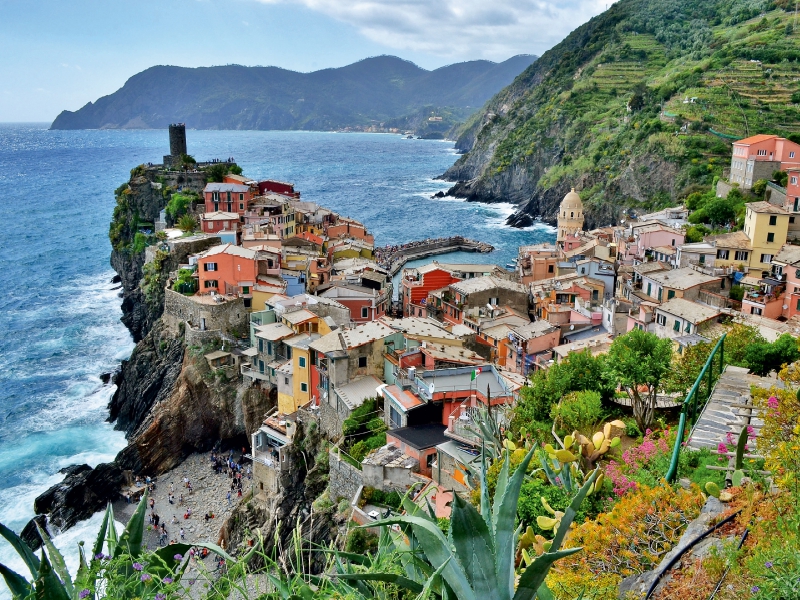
786, 270
655, 235
758, 156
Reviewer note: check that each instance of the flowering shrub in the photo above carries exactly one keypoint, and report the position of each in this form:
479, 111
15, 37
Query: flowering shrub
631, 539
644, 464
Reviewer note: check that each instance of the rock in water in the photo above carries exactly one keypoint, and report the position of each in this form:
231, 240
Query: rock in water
29, 533
83, 492
519, 219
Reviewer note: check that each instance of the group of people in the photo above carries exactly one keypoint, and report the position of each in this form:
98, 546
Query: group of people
388, 255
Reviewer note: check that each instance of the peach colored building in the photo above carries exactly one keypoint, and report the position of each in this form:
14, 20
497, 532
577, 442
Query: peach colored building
349, 228
758, 156
227, 269
525, 342
536, 262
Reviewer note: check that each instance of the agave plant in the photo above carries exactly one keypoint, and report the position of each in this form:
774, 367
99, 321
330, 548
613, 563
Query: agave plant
52, 580
476, 559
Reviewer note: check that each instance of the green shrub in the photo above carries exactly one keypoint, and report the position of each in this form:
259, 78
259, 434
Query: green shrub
737, 293
631, 429
139, 243
178, 205
578, 411
361, 541
376, 425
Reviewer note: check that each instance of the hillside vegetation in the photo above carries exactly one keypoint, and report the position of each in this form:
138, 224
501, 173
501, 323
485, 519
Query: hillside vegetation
365, 93
636, 107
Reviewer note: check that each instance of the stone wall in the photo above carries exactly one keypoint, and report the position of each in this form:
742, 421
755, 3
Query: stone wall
344, 479
224, 316
331, 419
196, 337
723, 187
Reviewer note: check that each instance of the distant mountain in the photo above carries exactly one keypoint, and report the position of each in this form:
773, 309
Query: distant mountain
373, 90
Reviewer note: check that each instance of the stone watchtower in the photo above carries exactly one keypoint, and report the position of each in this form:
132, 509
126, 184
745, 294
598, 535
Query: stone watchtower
177, 143
570, 216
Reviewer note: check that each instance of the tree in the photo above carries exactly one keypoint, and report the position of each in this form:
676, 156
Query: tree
759, 187
177, 205
765, 357
720, 211
638, 362
187, 223
780, 177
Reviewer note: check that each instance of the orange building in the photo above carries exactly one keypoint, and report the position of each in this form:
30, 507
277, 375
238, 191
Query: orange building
227, 197
349, 228
417, 283
758, 156
227, 269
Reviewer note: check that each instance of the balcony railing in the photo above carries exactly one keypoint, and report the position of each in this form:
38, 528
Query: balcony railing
248, 371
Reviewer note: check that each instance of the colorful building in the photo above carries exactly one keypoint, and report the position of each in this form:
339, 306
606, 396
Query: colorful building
227, 197
758, 156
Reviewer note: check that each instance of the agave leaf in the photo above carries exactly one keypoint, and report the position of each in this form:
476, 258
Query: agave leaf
426, 590
59, 565
533, 577
572, 510
22, 549
131, 539
505, 540
615, 442
437, 550
47, 584
113, 538
486, 510
394, 578
551, 477
474, 546
17, 584
101, 535
544, 593
500, 490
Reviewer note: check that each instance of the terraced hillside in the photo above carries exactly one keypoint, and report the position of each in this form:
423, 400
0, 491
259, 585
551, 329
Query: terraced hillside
635, 107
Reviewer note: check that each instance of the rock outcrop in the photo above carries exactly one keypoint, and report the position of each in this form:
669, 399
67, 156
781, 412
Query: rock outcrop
189, 412
83, 492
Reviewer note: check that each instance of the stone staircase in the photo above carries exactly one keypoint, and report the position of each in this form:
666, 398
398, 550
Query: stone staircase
727, 409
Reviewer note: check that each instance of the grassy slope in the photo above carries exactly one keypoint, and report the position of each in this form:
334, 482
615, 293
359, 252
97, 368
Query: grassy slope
566, 118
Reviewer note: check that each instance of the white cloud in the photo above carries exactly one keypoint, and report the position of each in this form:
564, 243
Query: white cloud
461, 29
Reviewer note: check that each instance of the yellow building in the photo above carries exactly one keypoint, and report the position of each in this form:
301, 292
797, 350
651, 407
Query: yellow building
767, 226
765, 229
294, 377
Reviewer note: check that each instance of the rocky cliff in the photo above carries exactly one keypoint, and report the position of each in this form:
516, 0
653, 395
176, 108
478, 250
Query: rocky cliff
635, 108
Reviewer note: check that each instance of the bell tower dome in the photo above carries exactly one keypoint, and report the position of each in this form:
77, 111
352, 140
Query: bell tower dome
570, 216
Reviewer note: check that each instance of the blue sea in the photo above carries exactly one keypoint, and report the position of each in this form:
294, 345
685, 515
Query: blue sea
59, 312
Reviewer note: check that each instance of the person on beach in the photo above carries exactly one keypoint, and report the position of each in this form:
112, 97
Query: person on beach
182, 536
186, 481
152, 503
229, 498
171, 498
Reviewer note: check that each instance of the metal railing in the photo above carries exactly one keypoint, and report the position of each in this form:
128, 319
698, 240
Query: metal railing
690, 409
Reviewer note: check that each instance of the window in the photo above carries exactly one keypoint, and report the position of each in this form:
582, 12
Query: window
430, 460
241, 206
269, 347
289, 352
722, 254
245, 289
362, 361
211, 283
793, 180
241, 196
755, 311
493, 301
688, 328
762, 153
303, 387
791, 154
394, 418
364, 312
673, 242
286, 380
773, 219
261, 366
741, 255
798, 304
210, 266
661, 319
676, 326
797, 205
549, 268
660, 292
302, 362
260, 345
791, 219
216, 206
670, 294
770, 237
649, 289
766, 258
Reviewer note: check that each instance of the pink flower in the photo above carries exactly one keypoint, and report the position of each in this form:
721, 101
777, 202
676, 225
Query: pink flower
722, 448
772, 402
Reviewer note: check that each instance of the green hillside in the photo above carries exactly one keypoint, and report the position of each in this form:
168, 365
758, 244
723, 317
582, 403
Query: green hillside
636, 106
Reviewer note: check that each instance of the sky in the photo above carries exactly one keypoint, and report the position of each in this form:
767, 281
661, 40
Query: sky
60, 54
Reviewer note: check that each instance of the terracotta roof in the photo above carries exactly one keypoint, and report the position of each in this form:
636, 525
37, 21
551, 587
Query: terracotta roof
736, 239
755, 139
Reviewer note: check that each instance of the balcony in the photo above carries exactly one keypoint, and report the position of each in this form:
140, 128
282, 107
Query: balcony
248, 371
765, 297
711, 270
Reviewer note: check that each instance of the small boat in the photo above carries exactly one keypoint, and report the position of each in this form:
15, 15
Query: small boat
511, 265
409, 137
